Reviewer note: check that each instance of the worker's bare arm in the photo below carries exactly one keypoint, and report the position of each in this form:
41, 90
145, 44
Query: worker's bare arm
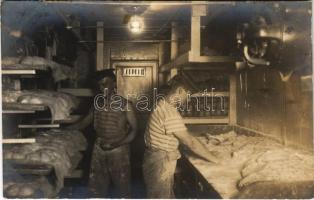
196, 146
83, 122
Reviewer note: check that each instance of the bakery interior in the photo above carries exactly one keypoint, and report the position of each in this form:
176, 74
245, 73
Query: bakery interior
255, 57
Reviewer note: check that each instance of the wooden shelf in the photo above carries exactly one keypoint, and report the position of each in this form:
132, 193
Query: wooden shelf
188, 59
199, 120
24, 126
18, 141
71, 119
81, 92
25, 73
22, 108
18, 71
75, 174
17, 111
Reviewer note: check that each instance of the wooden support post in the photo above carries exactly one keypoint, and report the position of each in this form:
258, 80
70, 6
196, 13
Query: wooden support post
174, 46
197, 12
195, 36
232, 100
48, 54
161, 53
161, 56
48, 49
174, 40
77, 29
100, 46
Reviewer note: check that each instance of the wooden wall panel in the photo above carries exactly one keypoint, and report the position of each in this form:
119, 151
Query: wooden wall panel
276, 108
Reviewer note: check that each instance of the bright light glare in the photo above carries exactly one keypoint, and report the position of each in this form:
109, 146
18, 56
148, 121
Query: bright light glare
136, 24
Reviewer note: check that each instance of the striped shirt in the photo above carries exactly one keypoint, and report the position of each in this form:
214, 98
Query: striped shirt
111, 125
163, 122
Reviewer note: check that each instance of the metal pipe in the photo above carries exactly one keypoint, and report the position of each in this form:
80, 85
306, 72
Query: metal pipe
254, 61
111, 27
171, 19
166, 3
131, 41
125, 26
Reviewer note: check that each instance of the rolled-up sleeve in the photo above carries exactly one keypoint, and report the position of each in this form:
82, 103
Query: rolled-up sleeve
174, 123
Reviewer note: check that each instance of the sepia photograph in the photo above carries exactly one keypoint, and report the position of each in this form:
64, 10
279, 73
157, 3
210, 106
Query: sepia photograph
156, 100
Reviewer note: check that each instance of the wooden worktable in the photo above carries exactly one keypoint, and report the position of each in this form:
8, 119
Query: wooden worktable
222, 177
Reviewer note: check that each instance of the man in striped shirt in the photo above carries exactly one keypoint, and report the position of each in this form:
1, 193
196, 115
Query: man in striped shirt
115, 126
164, 133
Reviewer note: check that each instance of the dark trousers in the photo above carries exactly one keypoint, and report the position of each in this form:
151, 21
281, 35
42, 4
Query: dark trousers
159, 168
107, 167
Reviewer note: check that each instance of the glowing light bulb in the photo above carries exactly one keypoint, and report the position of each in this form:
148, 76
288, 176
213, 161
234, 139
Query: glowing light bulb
136, 24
